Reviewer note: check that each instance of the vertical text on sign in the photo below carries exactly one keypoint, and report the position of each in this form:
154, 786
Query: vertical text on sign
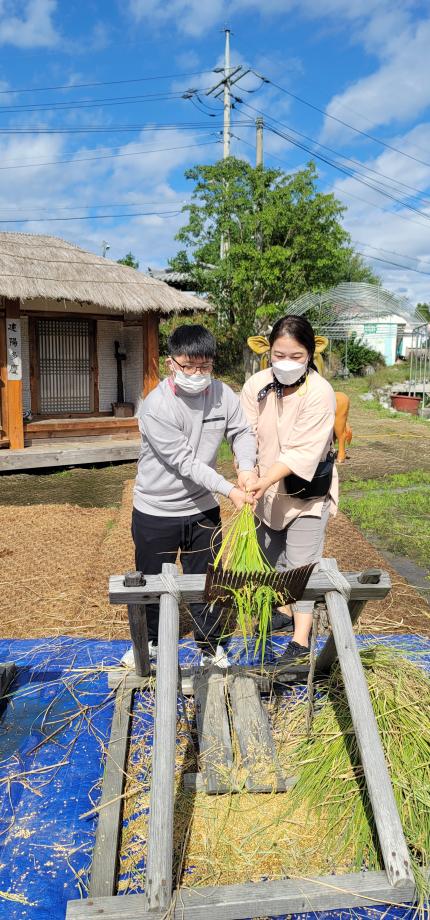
13, 346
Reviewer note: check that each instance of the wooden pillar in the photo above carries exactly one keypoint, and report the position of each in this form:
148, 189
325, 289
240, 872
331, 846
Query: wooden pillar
151, 352
13, 376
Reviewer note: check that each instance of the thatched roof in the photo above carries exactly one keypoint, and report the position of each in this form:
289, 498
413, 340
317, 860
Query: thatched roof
33, 266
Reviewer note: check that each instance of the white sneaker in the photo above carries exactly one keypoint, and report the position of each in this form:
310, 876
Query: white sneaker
219, 658
128, 657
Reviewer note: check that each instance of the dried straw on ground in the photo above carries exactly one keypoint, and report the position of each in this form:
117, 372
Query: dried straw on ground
319, 827
55, 563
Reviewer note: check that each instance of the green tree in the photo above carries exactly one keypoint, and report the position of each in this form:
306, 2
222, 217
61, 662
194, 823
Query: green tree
423, 311
282, 238
129, 260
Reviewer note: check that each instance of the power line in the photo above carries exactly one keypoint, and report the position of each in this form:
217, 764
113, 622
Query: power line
46, 89
90, 103
346, 124
109, 156
349, 194
347, 172
42, 220
372, 204
340, 155
379, 207
112, 129
131, 204
391, 252
405, 268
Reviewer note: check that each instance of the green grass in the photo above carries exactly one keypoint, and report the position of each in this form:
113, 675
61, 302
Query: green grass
415, 478
225, 452
401, 520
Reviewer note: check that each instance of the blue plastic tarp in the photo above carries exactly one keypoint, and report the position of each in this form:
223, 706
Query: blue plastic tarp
47, 785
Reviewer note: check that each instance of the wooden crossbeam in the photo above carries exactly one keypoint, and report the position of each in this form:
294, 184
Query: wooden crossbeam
192, 588
258, 899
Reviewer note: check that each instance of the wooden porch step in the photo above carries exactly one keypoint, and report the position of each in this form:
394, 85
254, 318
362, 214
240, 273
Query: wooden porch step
81, 427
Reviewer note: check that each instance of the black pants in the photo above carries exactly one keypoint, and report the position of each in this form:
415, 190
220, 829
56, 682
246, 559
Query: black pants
158, 539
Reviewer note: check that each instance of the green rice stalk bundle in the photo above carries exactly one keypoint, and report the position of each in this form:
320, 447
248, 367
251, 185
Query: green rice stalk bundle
331, 780
240, 552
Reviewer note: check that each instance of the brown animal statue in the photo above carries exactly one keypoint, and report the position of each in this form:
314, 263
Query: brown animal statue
342, 430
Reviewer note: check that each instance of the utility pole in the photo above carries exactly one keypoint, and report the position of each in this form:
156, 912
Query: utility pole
227, 101
230, 76
259, 125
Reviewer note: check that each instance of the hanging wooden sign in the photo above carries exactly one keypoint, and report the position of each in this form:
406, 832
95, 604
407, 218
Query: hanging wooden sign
13, 347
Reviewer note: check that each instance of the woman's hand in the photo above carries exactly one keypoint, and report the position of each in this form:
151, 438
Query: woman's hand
240, 498
247, 480
260, 487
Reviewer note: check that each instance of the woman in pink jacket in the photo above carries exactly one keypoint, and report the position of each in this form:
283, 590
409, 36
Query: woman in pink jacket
292, 411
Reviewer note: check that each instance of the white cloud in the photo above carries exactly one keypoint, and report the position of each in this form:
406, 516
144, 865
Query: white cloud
398, 91
195, 17
32, 29
190, 16
106, 186
387, 230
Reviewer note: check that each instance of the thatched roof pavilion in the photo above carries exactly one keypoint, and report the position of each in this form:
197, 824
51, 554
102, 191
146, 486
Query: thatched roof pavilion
78, 338
33, 266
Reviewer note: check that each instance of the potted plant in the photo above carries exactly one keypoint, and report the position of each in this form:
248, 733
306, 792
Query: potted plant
404, 403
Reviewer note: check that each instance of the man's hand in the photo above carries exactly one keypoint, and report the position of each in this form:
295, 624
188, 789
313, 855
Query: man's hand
240, 498
247, 479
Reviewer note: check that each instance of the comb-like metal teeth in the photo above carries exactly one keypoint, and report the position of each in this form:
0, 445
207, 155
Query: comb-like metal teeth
290, 584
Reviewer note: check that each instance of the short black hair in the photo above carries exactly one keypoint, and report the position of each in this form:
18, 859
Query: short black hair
192, 340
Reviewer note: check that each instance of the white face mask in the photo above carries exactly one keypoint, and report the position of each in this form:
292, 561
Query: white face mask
192, 384
289, 372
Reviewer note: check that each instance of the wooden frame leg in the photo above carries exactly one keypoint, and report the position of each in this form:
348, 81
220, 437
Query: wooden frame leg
390, 832
138, 627
159, 868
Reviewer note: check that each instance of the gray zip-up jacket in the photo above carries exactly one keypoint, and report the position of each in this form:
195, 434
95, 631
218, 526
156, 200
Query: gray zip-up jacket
181, 435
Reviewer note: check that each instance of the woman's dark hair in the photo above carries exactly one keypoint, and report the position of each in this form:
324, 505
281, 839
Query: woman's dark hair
193, 341
298, 328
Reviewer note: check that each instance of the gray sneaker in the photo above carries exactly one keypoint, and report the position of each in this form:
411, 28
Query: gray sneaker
128, 657
218, 658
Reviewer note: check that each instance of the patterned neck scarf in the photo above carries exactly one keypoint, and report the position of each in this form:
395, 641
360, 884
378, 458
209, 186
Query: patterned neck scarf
278, 387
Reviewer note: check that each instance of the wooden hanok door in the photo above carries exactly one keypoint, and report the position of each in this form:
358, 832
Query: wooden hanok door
63, 365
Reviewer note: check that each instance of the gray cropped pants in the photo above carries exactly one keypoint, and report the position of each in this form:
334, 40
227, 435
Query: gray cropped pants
299, 543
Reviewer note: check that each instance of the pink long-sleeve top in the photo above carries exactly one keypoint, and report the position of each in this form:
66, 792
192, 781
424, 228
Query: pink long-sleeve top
296, 430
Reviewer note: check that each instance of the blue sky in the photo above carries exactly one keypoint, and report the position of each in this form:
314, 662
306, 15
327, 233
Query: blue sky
86, 150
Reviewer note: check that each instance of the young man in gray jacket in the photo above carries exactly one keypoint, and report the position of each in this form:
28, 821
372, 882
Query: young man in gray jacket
182, 423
